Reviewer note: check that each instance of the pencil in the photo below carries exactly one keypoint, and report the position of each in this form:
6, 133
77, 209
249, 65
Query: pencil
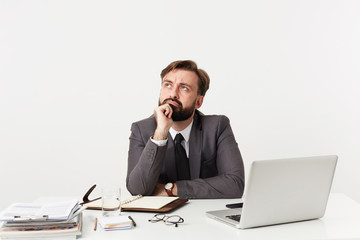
134, 223
95, 224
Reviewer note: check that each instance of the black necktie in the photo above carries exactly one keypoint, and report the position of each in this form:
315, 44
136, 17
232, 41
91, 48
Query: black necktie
181, 160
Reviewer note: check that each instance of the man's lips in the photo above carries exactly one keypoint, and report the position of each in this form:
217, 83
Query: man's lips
173, 102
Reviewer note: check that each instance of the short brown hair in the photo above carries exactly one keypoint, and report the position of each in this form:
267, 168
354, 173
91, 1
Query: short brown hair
204, 79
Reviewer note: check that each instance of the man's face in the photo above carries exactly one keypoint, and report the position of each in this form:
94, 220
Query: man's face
179, 89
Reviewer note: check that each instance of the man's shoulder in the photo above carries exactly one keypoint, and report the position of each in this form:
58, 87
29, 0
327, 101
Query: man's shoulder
146, 122
212, 118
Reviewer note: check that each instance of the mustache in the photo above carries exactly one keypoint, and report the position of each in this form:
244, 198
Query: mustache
174, 100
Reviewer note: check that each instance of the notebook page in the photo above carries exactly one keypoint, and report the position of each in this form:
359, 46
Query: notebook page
150, 202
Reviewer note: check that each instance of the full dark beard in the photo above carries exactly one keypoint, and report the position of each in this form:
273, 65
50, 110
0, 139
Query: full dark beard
180, 113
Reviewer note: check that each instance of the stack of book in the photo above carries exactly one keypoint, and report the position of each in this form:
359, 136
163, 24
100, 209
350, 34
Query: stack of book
61, 220
115, 223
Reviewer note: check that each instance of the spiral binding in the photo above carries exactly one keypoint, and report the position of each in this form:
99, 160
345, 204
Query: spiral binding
131, 199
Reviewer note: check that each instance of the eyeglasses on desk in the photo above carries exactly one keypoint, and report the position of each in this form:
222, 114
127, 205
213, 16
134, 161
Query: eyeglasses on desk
168, 220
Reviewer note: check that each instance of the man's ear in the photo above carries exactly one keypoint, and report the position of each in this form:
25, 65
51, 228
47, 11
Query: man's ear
199, 101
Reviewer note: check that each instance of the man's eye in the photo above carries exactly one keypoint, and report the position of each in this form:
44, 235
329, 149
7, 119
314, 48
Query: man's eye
167, 85
184, 88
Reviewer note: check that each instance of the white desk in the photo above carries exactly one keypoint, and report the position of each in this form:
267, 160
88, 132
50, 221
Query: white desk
341, 221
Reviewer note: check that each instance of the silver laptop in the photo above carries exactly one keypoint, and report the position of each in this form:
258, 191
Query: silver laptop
282, 191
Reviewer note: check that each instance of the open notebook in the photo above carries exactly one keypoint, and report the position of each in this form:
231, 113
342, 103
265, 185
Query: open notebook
140, 203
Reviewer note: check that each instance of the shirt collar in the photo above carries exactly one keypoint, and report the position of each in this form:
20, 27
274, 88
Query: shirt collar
185, 132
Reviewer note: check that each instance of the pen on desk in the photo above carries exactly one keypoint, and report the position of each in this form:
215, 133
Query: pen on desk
134, 223
95, 224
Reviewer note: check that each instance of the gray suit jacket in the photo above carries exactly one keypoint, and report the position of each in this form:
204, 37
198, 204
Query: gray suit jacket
216, 166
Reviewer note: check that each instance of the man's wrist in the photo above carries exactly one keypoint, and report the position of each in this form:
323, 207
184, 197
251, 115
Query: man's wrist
171, 189
158, 136
161, 132
175, 190
168, 189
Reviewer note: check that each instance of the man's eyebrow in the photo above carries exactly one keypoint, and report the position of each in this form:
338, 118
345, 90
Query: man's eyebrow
167, 80
181, 83
186, 85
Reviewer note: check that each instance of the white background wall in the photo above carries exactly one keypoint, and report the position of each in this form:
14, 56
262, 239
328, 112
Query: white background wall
74, 75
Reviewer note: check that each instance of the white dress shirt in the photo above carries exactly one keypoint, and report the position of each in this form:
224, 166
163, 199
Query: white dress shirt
184, 143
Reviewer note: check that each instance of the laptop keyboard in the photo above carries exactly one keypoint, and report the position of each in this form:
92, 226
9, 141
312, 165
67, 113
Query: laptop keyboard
235, 217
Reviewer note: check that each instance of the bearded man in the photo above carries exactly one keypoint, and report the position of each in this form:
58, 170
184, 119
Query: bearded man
178, 151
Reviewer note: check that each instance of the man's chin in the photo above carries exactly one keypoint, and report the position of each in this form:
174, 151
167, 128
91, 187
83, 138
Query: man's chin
180, 116
179, 119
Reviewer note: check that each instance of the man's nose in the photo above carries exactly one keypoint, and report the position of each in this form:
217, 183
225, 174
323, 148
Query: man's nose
174, 92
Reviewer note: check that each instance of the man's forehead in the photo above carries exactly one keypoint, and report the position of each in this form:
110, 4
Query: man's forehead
181, 75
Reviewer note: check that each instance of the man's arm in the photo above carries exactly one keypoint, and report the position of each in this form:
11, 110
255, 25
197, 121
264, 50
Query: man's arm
146, 158
145, 161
